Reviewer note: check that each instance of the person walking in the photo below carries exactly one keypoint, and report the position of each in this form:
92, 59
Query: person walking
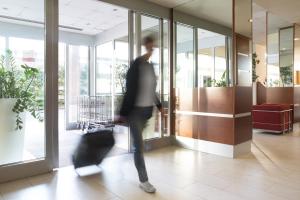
137, 107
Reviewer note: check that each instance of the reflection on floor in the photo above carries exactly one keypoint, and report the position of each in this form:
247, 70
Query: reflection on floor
270, 172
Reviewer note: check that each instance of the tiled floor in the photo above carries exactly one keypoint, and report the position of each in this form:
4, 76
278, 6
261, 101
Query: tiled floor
271, 171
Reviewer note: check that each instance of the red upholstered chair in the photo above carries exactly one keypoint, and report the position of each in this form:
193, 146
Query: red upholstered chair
276, 118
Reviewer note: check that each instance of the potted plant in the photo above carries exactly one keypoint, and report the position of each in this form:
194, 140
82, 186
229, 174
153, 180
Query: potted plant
286, 76
20, 88
217, 83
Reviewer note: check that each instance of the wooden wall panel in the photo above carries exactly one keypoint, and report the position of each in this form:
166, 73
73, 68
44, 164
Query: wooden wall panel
243, 130
216, 129
186, 99
280, 95
212, 100
283, 95
215, 100
261, 93
243, 99
185, 126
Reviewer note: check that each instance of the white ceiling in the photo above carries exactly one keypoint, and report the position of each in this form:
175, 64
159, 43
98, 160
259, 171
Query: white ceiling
275, 22
217, 11
287, 9
259, 24
91, 16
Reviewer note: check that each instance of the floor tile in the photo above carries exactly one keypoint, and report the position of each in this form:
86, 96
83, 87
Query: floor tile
269, 172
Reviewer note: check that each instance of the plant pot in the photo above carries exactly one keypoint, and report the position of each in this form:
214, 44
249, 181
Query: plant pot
11, 140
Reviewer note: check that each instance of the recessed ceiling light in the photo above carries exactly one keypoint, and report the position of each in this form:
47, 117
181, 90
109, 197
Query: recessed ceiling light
4, 8
296, 39
250, 20
283, 49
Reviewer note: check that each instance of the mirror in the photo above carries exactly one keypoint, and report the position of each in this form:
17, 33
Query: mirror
286, 56
243, 36
279, 52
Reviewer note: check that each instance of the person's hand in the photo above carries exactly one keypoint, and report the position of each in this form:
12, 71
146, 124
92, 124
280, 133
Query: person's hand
161, 110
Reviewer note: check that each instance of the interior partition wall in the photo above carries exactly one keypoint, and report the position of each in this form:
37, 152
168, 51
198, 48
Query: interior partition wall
213, 85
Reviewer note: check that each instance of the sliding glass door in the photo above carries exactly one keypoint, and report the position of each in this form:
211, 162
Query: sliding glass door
27, 100
158, 28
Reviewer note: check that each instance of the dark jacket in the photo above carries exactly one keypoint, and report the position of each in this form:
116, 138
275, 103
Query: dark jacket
132, 88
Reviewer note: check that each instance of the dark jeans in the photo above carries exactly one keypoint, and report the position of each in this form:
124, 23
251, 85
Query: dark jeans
137, 122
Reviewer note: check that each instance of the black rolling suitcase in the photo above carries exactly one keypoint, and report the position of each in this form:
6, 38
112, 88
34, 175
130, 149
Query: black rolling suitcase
93, 147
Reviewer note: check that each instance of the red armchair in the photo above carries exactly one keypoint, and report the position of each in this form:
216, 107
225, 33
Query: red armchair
276, 118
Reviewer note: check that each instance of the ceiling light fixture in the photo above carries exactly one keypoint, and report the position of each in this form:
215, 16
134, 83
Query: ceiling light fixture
296, 39
250, 20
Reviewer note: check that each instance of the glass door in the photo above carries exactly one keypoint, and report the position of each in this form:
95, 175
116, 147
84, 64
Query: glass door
157, 126
27, 101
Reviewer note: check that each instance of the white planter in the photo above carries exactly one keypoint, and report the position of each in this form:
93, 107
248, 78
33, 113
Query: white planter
11, 140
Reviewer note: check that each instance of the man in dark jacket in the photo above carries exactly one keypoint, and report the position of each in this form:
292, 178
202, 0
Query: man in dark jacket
137, 107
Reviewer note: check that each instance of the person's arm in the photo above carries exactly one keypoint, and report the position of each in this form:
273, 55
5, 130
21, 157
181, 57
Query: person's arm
131, 90
157, 102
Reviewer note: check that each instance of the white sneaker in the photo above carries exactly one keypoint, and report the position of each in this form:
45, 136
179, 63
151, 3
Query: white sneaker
147, 187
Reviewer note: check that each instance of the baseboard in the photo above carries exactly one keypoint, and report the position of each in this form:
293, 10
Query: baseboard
230, 151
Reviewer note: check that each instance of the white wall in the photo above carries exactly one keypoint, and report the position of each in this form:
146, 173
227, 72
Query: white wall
35, 32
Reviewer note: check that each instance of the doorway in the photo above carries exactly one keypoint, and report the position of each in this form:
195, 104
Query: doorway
93, 57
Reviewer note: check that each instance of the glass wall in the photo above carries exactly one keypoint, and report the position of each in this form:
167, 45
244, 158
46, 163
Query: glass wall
286, 56
279, 52
27, 51
61, 74
211, 59
2, 45
77, 78
22, 93
111, 69
243, 39
184, 71
120, 71
273, 79
297, 56
121, 66
104, 62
